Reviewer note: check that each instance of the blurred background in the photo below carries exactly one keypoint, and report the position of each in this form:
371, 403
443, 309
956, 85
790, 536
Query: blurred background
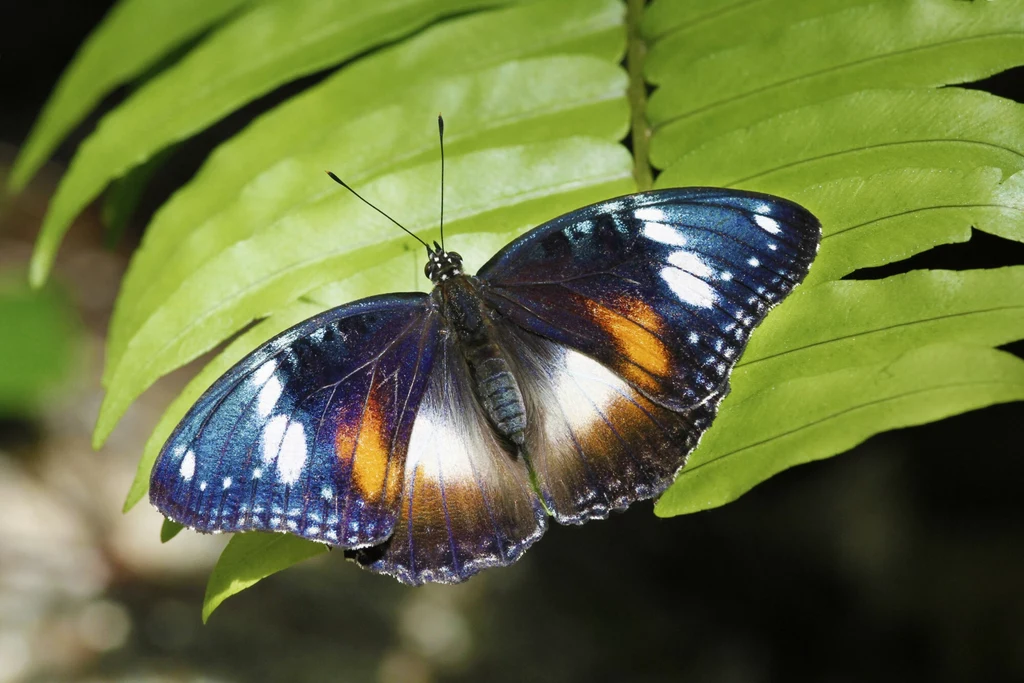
902, 560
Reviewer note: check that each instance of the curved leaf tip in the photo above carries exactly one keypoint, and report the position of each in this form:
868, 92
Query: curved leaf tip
249, 558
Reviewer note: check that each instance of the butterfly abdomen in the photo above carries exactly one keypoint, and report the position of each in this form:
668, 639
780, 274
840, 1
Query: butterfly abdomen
494, 385
500, 397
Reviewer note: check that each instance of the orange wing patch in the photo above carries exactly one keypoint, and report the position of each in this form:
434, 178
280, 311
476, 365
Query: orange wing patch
635, 335
368, 452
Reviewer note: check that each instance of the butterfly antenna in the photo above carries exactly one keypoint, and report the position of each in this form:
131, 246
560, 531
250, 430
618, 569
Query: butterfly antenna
440, 137
345, 185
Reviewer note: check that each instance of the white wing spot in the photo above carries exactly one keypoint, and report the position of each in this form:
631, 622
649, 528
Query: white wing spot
269, 395
327, 492
650, 213
202, 486
726, 275
272, 435
227, 482
264, 372
688, 288
767, 223
188, 466
293, 453
690, 262
257, 473
662, 233
754, 262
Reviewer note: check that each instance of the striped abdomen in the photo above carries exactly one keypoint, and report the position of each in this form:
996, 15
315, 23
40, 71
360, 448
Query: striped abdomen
498, 393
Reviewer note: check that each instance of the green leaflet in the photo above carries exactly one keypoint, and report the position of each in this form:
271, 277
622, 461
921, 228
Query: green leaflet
37, 344
271, 45
881, 45
859, 134
493, 107
893, 215
815, 417
875, 320
251, 557
133, 38
169, 530
458, 47
683, 32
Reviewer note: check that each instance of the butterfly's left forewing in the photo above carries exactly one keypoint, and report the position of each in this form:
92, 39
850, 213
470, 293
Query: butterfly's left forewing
663, 287
308, 433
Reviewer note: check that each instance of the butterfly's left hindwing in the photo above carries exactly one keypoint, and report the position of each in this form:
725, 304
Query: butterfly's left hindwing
662, 287
308, 433
595, 443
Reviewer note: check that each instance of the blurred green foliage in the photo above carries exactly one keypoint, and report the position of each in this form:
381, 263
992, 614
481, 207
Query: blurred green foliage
38, 343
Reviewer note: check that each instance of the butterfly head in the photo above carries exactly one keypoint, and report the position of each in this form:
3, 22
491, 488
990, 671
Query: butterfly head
442, 264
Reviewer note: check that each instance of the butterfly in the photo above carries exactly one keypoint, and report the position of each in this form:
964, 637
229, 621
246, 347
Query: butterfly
433, 435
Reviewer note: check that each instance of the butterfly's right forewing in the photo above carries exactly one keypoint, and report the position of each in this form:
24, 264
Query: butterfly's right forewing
308, 434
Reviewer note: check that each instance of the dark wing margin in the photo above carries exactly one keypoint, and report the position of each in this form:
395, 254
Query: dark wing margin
468, 502
308, 433
662, 287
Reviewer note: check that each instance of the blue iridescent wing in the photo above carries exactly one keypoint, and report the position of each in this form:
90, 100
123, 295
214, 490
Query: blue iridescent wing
662, 289
468, 503
308, 433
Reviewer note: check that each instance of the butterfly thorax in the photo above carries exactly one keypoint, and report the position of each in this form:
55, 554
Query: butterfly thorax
494, 385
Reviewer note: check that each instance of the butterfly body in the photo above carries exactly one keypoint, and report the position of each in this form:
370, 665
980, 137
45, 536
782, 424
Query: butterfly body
468, 317
433, 435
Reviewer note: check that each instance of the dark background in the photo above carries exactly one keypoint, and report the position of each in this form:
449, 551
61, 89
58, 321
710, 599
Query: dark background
901, 560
